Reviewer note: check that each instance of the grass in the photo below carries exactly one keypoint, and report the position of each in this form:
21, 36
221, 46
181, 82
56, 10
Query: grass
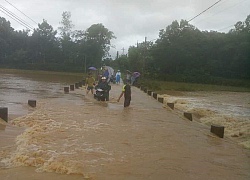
50, 76
19, 71
160, 87
165, 86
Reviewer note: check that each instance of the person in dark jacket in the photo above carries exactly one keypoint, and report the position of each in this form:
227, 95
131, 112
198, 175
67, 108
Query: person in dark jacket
126, 91
105, 87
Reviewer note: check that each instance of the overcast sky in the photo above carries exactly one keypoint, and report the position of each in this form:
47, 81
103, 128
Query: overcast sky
130, 20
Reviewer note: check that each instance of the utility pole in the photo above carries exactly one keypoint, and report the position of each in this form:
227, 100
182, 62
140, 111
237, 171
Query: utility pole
85, 63
123, 51
117, 54
144, 56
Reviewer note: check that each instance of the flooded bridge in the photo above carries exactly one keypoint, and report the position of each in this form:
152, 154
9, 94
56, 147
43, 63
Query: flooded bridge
73, 136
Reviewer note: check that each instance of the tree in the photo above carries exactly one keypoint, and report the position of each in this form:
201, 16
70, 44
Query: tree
43, 43
240, 44
172, 50
67, 45
66, 28
181, 53
6, 33
139, 57
121, 63
98, 43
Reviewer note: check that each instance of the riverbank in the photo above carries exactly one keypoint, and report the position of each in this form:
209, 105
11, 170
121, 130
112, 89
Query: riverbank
39, 72
161, 87
166, 87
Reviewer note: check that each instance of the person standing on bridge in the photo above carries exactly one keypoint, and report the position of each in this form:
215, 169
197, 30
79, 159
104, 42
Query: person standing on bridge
126, 91
90, 83
128, 77
118, 77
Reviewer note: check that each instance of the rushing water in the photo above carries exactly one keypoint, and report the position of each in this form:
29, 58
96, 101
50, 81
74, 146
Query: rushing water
229, 109
75, 135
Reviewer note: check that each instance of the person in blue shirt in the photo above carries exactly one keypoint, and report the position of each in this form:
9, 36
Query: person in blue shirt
106, 74
118, 77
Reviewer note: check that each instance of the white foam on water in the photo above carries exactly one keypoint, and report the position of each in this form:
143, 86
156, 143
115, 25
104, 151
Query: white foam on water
53, 142
222, 109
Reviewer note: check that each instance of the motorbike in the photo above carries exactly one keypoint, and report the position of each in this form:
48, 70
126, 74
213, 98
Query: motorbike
99, 95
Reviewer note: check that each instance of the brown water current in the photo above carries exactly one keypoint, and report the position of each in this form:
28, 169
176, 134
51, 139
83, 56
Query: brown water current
72, 136
229, 109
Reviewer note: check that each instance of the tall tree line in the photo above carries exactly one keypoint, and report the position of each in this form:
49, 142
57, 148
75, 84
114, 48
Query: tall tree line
184, 53
49, 49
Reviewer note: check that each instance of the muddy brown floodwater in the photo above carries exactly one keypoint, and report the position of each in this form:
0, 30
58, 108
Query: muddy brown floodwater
72, 136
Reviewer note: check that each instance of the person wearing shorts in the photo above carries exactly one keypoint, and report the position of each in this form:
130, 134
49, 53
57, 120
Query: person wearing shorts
90, 83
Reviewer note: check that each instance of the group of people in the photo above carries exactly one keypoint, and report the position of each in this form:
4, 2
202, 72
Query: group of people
115, 78
104, 87
132, 77
110, 75
90, 84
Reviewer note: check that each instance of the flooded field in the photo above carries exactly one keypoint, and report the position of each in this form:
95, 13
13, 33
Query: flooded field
72, 136
19, 87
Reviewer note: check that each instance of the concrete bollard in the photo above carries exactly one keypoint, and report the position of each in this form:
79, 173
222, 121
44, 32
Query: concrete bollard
149, 92
217, 130
32, 103
72, 87
80, 84
155, 95
171, 105
66, 89
4, 113
76, 85
145, 90
142, 88
160, 99
188, 116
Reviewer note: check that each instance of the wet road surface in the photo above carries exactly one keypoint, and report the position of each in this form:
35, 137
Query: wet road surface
79, 136
72, 136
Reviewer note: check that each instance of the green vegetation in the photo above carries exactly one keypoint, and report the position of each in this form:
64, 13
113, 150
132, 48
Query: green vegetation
154, 85
182, 53
45, 49
166, 86
40, 72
